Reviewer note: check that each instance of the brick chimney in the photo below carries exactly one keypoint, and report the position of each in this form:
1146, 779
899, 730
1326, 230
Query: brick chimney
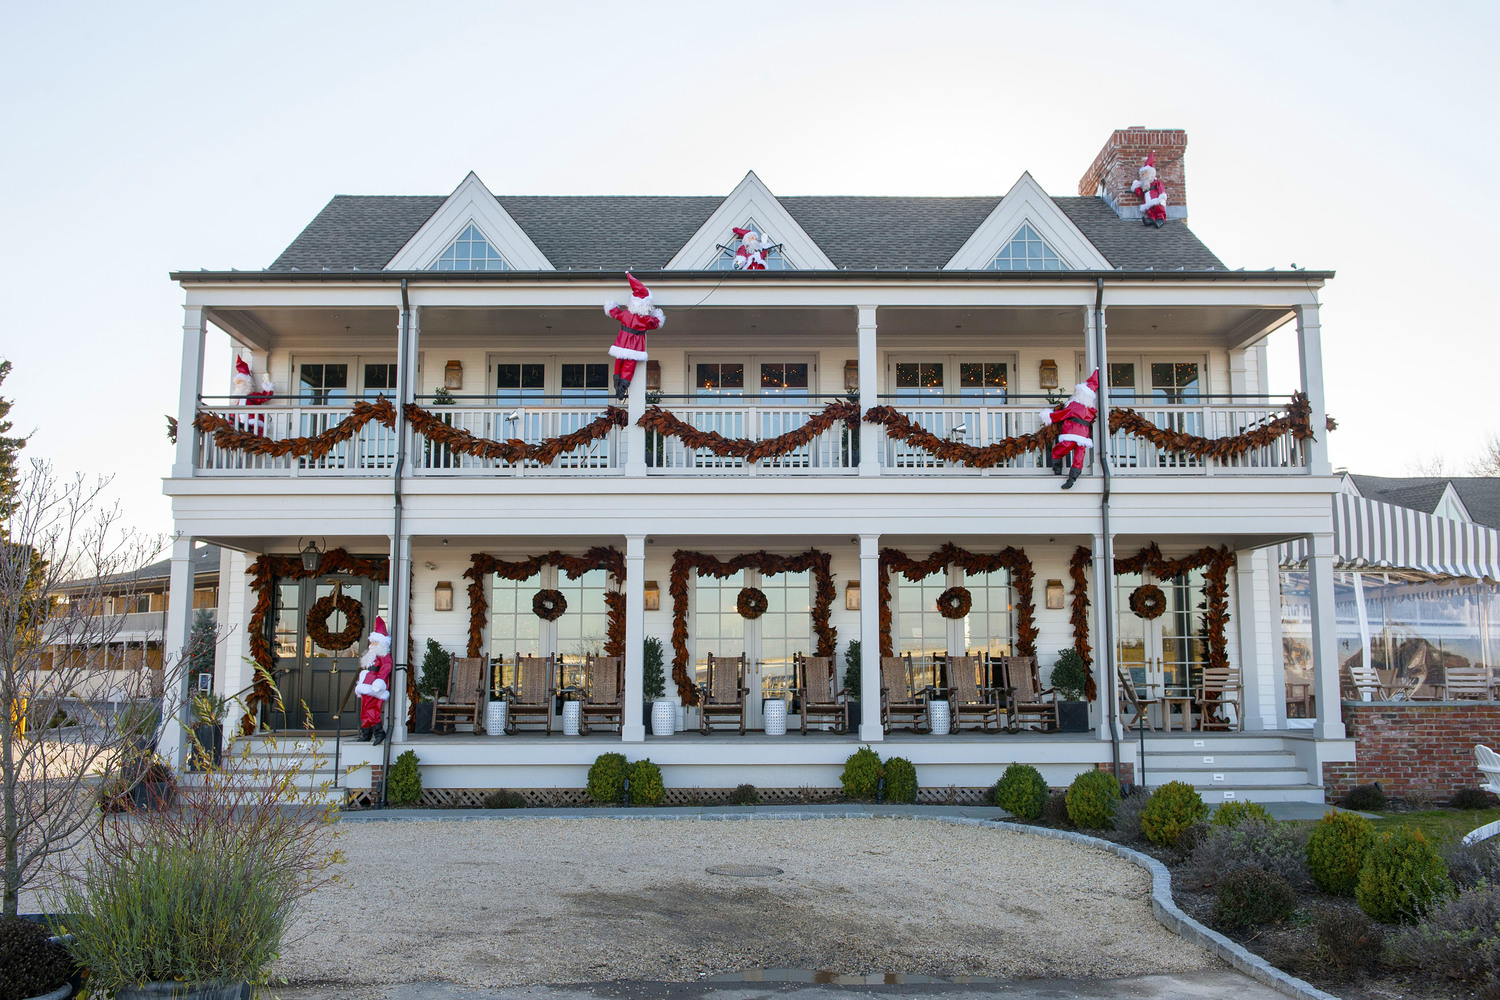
1116, 167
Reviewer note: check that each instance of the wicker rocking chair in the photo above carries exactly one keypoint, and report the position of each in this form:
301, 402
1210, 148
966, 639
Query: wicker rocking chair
530, 697
723, 694
818, 690
897, 700
603, 698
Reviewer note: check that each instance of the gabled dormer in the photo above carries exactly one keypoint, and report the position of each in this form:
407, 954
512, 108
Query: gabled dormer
1027, 232
471, 231
750, 205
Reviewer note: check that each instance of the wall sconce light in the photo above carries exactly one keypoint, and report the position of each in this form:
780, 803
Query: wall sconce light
442, 596
851, 596
453, 375
653, 596
851, 376
1054, 595
1049, 374
653, 376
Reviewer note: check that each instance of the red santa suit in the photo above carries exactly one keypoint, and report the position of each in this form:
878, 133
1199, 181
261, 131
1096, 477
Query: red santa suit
244, 388
1077, 420
637, 318
751, 255
1153, 194
374, 683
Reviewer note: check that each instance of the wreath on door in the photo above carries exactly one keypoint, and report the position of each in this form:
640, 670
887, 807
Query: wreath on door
752, 603
1148, 602
323, 608
955, 602
549, 605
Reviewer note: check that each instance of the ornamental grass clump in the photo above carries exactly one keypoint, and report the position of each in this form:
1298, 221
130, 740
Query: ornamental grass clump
1460, 939
862, 774
900, 780
31, 965
646, 788
1471, 864
1348, 941
1402, 878
1021, 791
1250, 897
1171, 809
607, 778
1092, 798
1279, 848
1336, 851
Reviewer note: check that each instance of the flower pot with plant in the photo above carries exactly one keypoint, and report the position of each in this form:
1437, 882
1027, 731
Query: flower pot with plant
1070, 678
661, 710
436, 663
33, 964
207, 749
156, 788
853, 666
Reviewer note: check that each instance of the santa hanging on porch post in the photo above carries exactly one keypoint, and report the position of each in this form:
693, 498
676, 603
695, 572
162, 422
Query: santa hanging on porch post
1077, 419
1153, 194
637, 318
244, 389
374, 684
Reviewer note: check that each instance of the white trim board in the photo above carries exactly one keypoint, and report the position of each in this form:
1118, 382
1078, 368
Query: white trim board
470, 202
750, 199
1027, 202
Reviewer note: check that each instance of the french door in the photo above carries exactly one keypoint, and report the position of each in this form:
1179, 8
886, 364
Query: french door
315, 682
770, 643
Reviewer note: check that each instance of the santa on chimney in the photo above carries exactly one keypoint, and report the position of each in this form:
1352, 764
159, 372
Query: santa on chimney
637, 318
1153, 194
1077, 419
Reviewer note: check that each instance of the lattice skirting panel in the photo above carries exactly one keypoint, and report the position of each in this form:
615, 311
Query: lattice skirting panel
562, 798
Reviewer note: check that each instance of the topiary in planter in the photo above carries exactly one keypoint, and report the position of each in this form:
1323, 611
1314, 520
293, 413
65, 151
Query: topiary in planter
1070, 675
1365, 798
30, 964
862, 772
607, 778
1253, 896
1235, 812
404, 785
646, 788
1336, 851
1402, 878
435, 665
653, 679
1021, 791
1091, 800
900, 780
1171, 809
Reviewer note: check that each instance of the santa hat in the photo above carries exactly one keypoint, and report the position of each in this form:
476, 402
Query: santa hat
1087, 392
741, 232
380, 630
241, 368
640, 298
1148, 168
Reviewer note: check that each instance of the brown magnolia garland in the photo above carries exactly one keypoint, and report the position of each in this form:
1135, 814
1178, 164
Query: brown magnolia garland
769, 564
612, 561
902, 428
549, 605
751, 603
955, 603
317, 622
228, 437
264, 573
663, 422
456, 439
1148, 602
1022, 578
1297, 423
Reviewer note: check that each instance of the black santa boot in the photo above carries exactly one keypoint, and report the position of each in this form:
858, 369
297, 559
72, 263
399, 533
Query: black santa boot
364, 734
1073, 475
379, 736
622, 388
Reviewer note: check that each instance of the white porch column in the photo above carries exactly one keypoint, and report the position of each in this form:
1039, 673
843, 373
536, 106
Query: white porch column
232, 673
870, 729
398, 627
174, 644
1310, 357
187, 392
1106, 677
633, 727
1274, 652
869, 389
1324, 637
1260, 694
635, 434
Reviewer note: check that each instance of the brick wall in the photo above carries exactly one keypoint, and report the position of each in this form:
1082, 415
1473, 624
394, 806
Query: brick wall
1119, 162
1413, 747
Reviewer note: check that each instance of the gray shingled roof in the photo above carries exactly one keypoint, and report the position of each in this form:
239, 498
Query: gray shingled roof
1480, 494
612, 232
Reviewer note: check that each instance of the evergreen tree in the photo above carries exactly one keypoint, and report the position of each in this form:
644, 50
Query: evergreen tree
10, 451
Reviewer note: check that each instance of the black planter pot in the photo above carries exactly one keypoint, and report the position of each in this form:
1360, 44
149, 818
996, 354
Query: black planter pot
154, 794
421, 721
853, 716
1073, 716
210, 737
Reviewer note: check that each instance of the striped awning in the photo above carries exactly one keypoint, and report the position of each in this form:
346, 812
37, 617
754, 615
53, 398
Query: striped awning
1369, 534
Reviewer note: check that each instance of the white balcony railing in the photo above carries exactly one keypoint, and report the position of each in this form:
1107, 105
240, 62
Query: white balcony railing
831, 453
601, 457
976, 426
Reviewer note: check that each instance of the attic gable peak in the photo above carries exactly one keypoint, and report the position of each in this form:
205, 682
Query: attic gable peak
470, 211
750, 201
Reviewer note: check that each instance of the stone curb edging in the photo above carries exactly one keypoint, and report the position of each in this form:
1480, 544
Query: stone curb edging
1162, 905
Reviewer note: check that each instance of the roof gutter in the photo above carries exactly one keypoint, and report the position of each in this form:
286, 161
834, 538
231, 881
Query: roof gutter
701, 277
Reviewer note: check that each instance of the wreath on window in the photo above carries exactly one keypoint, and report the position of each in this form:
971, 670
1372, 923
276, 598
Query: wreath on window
549, 605
752, 603
1148, 601
323, 609
955, 603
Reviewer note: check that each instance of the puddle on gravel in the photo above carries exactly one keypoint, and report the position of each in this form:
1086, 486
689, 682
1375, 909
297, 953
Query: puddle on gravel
825, 977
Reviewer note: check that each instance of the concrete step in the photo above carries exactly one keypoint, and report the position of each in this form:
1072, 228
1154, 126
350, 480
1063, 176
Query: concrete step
1226, 777
1214, 795
1217, 761
1209, 743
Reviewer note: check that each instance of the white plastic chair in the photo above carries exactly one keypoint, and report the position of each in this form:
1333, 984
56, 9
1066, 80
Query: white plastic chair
1489, 767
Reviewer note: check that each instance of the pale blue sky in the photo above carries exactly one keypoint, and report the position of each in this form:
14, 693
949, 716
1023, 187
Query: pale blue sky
142, 138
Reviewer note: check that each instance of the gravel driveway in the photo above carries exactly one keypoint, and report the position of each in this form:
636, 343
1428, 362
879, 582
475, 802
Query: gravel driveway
514, 902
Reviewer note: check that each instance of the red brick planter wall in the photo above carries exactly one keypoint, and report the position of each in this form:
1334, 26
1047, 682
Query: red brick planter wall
1414, 747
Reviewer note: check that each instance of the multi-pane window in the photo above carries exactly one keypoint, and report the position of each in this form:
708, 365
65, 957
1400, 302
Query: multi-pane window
785, 629
1026, 251
1122, 378
520, 382
1168, 650
919, 378
322, 384
515, 630
584, 627
1174, 382
718, 627
988, 380
470, 251
720, 379
783, 379
380, 380
584, 381
986, 629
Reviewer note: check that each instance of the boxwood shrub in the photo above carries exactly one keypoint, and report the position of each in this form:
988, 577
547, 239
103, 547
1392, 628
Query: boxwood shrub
1021, 791
1091, 800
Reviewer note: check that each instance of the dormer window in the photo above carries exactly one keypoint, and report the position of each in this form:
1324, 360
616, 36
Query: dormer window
1027, 251
725, 260
471, 252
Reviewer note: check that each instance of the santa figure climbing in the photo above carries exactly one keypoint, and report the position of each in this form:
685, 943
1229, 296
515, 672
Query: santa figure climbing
374, 685
244, 389
637, 318
751, 255
1153, 194
1077, 420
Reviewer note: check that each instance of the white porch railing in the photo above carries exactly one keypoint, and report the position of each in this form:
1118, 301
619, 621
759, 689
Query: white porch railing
601, 457
370, 452
831, 453
976, 426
